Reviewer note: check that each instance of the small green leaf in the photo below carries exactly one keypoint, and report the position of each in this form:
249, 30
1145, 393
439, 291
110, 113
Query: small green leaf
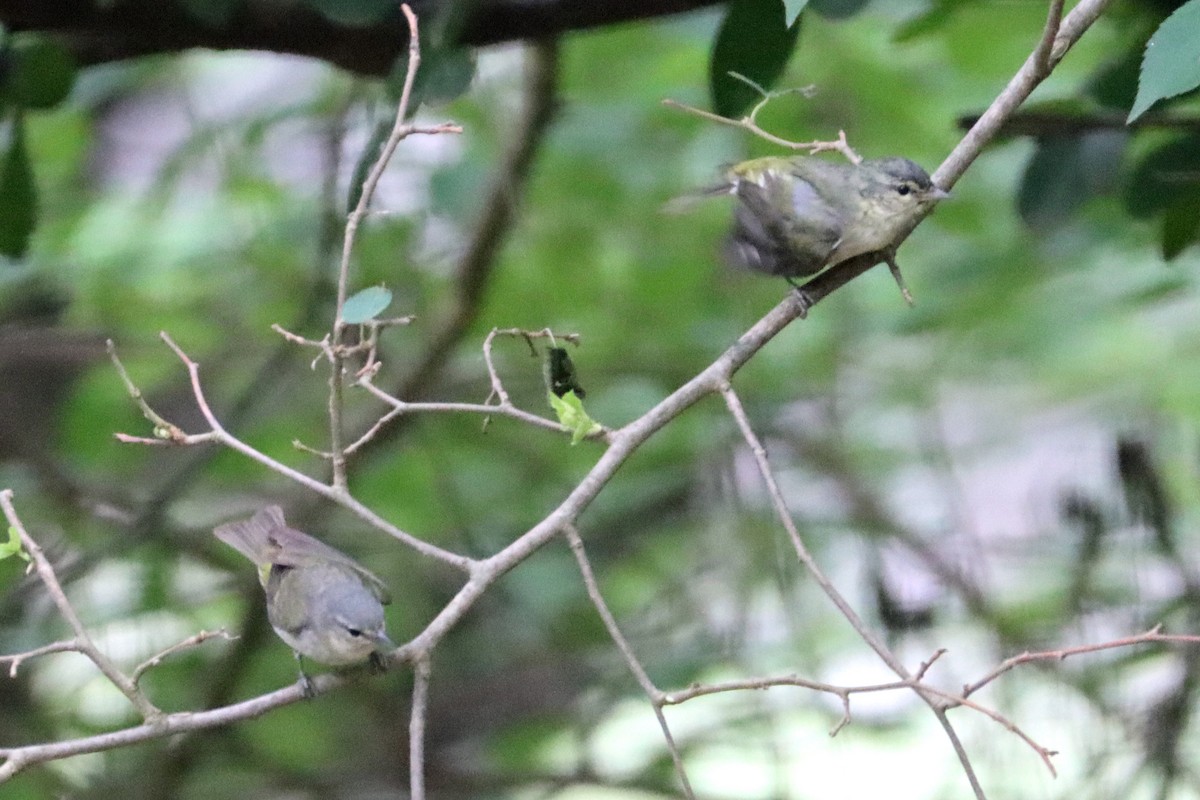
571, 415
1171, 65
755, 41
791, 10
18, 196
13, 546
366, 305
40, 72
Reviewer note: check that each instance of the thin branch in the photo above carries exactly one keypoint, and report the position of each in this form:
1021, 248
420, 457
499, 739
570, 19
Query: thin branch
218, 433
181, 440
256, 392
20, 758
400, 407
416, 729
400, 131
1152, 636
844, 693
1058, 35
734, 404
952, 699
503, 407
755, 684
321, 344
16, 659
748, 123
843, 606
498, 390
1041, 53
635, 666
337, 453
498, 216
164, 431
188, 643
83, 642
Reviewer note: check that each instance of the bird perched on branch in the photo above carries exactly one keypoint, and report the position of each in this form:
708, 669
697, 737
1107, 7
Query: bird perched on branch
798, 215
320, 601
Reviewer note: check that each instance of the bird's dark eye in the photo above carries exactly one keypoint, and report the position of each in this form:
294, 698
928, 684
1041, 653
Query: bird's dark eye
355, 632
903, 189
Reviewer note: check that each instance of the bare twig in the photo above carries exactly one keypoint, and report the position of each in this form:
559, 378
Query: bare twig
490, 231
183, 439
748, 123
189, 642
400, 131
844, 693
400, 407
16, 659
498, 390
843, 606
1058, 35
370, 341
83, 642
1152, 636
164, 431
321, 344
20, 758
808, 92
952, 700
503, 406
416, 729
639, 672
343, 498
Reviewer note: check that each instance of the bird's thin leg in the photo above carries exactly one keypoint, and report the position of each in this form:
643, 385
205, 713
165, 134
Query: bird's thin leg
306, 684
890, 258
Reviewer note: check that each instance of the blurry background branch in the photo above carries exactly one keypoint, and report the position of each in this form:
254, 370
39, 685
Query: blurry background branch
100, 32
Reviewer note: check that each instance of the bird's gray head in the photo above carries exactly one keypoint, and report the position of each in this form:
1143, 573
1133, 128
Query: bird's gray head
900, 185
350, 619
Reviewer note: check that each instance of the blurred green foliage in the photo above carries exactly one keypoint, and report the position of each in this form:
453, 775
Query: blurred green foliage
1047, 329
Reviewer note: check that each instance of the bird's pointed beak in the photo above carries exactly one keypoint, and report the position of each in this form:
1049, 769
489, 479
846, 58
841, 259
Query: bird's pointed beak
938, 193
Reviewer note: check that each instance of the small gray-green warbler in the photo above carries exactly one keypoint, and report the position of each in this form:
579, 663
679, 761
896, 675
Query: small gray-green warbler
796, 216
323, 603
